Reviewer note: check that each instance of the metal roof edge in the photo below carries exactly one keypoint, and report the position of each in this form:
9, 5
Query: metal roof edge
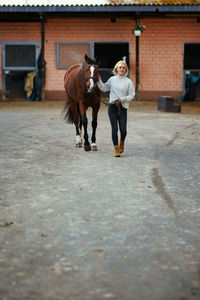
100, 9
183, 8
76, 9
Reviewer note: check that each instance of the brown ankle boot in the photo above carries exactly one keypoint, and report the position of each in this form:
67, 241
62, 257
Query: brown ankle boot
116, 149
121, 147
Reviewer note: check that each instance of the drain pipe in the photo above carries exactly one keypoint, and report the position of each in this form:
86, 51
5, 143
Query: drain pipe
43, 63
137, 79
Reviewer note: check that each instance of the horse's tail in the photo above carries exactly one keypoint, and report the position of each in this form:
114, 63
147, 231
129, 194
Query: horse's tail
68, 114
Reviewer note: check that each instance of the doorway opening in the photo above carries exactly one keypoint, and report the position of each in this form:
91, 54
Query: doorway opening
109, 53
191, 72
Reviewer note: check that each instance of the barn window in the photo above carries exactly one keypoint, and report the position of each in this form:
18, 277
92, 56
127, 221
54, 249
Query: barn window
68, 54
20, 55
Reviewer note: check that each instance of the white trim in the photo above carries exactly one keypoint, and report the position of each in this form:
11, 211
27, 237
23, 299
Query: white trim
54, 2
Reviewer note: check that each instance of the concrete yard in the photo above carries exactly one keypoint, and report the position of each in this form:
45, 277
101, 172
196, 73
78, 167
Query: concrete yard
78, 225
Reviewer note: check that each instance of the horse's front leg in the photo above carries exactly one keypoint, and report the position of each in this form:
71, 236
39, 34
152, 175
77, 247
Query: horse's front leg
84, 119
94, 127
87, 146
93, 139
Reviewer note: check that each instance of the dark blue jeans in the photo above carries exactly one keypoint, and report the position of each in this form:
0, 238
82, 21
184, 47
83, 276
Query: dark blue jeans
117, 119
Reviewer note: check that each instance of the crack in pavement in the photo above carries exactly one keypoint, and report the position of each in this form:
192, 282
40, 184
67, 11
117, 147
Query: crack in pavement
173, 139
190, 126
170, 142
160, 187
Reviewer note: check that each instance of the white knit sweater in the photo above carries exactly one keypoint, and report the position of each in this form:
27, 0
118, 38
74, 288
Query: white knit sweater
119, 87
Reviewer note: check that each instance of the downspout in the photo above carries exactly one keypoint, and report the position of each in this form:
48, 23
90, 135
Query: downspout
43, 63
137, 78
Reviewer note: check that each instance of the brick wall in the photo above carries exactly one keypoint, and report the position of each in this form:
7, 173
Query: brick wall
17, 32
161, 48
81, 30
161, 54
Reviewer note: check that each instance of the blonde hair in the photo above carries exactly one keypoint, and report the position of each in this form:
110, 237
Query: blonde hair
117, 65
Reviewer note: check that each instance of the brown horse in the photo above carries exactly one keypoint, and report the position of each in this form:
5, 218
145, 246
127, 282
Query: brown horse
80, 83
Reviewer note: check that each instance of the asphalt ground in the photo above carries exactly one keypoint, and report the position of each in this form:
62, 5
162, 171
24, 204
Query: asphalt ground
89, 226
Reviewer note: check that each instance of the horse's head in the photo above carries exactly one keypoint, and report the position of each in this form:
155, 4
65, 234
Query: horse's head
91, 61
91, 76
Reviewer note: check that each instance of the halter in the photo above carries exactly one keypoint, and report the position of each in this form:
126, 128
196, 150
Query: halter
95, 83
84, 65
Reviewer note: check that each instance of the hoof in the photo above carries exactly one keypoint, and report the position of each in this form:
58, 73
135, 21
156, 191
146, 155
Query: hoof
94, 147
87, 147
78, 141
78, 145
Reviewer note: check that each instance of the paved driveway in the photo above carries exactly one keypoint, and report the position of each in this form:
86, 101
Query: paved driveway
78, 225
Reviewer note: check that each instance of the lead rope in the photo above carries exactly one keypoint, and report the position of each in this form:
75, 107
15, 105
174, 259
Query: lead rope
116, 102
118, 107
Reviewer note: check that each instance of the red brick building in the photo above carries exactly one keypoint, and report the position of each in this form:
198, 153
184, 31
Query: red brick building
168, 48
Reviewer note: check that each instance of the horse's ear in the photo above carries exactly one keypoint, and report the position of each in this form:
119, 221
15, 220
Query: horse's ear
86, 58
97, 60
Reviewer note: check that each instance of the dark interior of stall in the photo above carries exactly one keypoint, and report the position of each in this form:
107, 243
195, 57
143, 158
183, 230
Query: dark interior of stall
191, 72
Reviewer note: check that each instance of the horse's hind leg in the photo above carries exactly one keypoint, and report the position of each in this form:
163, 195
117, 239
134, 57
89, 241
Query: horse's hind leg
76, 120
79, 141
78, 137
80, 127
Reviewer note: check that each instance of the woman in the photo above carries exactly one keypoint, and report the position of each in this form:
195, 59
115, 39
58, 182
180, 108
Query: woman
121, 93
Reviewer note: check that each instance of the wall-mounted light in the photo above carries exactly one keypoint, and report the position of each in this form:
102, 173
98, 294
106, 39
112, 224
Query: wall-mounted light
137, 32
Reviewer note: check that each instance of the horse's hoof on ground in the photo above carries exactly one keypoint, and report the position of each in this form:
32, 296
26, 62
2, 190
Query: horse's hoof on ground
87, 147
78, 145
78, 141
94, 147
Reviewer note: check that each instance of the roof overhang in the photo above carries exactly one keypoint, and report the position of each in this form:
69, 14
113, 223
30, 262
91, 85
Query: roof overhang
104, 9
78, 9
11, 13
